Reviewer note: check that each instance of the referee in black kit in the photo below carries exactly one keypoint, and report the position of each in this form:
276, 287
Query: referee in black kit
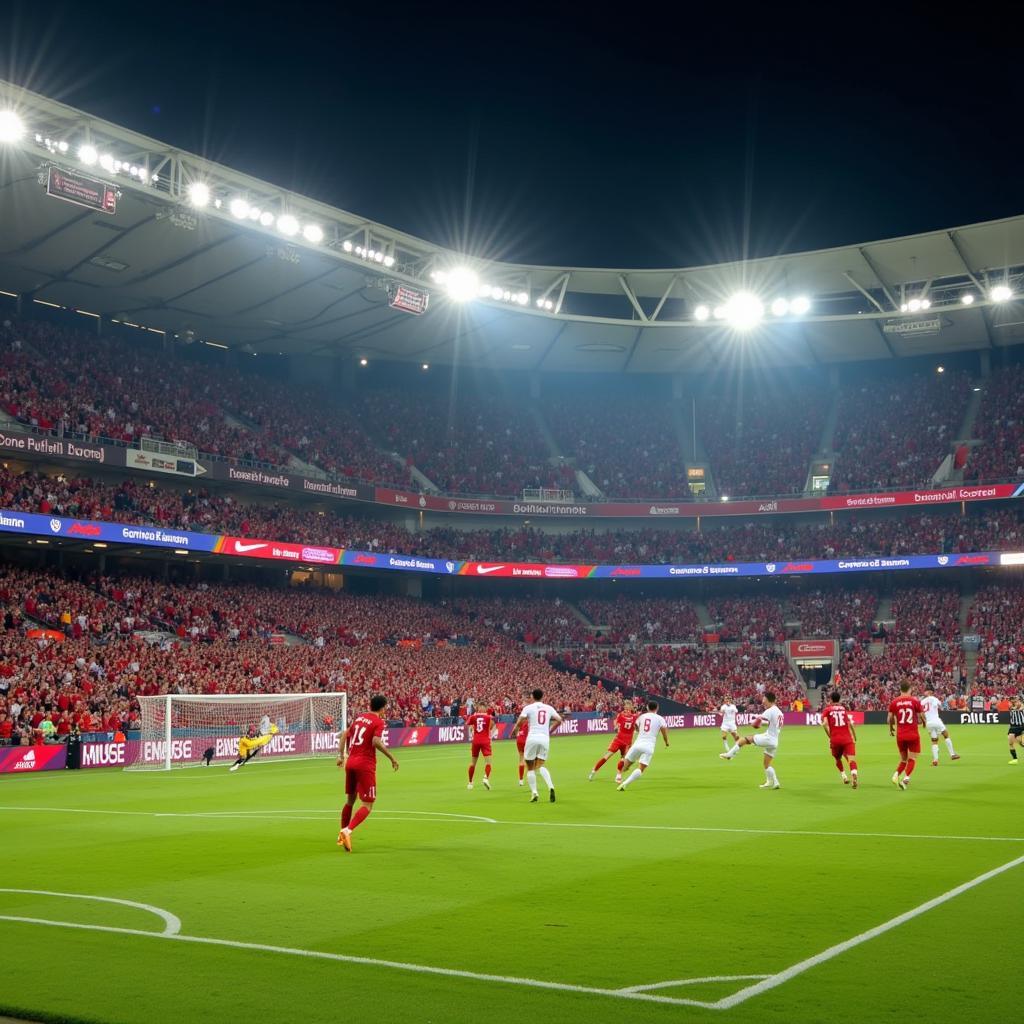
1016, 733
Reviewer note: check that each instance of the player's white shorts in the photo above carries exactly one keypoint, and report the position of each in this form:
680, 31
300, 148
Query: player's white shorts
638, 753
729, 727
763, 741
536, 748
935, 727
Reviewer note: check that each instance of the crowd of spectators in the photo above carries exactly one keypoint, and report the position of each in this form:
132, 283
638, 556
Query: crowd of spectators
751, 619
926, 613
895, 432
628, 446
630, 620
697, 676
1000, 426
847, 613
465, 443
761, 442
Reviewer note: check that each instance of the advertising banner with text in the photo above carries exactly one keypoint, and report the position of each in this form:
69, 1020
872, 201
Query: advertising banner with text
32, 759
34, 445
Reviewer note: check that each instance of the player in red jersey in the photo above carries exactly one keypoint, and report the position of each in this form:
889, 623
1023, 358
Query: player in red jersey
521, 747
359, 745
625, 724
842, 737
905, 715
482, 729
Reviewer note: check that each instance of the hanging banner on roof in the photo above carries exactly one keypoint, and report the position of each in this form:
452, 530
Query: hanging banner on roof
82, 191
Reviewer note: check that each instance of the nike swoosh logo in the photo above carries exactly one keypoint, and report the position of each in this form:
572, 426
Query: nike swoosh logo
240, 548
484, 570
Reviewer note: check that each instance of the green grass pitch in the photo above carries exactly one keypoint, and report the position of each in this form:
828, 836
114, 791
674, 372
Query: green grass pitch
694, 873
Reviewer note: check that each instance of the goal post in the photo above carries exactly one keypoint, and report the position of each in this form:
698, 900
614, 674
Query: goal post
179, 730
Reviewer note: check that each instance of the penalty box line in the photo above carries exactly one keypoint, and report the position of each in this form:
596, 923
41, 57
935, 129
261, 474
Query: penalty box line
312, 954
766, 984
774, 980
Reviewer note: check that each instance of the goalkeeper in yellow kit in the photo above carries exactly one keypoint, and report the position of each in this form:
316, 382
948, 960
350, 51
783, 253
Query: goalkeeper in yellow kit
252, 741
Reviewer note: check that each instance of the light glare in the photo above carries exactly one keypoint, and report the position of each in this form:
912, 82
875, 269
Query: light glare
239, 208
12, 128
967, 299
743, 311
462, 284
287, 225
199, 194
801, 305
780, 307
88, 155
1001, 293
313, 234
701, 313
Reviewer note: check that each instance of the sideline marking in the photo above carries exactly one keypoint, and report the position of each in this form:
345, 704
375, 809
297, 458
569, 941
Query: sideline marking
399, 815
774, 980
172, 924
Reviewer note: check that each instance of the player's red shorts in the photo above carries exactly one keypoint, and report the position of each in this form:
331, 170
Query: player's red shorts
844, 749
361, 782
909, 744
619, 746
480, 748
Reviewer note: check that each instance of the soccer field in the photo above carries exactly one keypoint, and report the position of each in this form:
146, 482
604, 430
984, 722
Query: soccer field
693, 896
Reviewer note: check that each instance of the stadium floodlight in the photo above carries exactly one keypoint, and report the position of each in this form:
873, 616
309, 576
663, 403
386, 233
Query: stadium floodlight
266, 218
743, 311
800, 306
389, 260
780, 307
287, 225
88, 155
462, 284
313, 233
255, 213
1001, 293
940, 369
701, 313
967, 299
522, 298
718, 312
12, 128
199, 194
363, 361
725, 497
914, 305
426, 366
107, 162
239, 207
903, 307
347, 246
926, 303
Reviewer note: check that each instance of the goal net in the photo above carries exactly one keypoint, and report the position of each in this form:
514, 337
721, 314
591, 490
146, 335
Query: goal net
183, 730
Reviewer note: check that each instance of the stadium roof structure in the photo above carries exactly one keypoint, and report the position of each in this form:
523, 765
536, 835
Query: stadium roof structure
261, 269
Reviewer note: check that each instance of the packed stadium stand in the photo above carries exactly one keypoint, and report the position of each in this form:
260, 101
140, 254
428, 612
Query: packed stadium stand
1000, 427
895, 432
762, 442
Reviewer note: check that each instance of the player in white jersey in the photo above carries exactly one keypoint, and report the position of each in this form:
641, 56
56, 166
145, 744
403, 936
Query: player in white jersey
648, 727
768, 741
935, 726
542, 718
728, 712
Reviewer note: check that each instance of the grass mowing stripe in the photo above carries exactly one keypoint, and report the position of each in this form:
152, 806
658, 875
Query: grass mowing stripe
774, 980
444, 817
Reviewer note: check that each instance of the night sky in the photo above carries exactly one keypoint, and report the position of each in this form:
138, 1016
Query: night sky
635, 138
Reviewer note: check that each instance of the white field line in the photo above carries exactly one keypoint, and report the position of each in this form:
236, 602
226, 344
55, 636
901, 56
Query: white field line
366, 962
692, 981
641, 993
774, 980
411, 815
172, 924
